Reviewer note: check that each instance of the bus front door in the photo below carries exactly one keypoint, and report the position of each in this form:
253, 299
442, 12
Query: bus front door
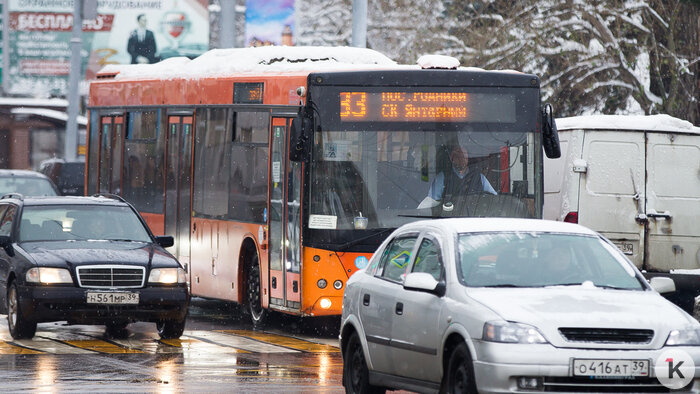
284, 221
177, 185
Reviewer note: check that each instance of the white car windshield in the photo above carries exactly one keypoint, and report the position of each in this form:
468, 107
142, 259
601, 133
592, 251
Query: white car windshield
518, 259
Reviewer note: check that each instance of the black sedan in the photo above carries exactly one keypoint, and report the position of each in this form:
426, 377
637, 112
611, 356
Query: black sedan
86, 260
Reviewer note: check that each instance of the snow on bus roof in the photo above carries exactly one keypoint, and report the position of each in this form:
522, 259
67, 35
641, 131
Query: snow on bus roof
219, 62
627, 122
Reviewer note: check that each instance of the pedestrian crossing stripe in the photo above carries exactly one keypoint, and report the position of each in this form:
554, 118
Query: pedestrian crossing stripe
100, 346
192, 344
197, 341
8, 348
48, 345
237, 342
284, 341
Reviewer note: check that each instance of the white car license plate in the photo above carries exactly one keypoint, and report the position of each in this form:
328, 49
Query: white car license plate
112, 297
611, 368
625, 247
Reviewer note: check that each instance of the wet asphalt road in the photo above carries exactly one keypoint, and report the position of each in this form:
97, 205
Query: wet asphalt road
219, 352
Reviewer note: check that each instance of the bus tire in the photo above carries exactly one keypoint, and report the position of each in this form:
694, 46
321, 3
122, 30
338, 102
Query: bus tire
254, 295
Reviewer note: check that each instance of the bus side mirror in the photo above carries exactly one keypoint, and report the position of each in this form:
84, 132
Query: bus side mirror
300, 141
550, 137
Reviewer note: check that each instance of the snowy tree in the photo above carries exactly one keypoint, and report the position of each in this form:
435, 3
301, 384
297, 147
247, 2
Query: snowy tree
593, 56
401, 29
610, 56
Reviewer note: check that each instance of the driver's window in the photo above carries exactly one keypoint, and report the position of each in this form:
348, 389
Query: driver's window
396, 258
6, 223
428, 259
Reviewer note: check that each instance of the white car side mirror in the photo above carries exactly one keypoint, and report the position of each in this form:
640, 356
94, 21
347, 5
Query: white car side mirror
423, 281
662, 284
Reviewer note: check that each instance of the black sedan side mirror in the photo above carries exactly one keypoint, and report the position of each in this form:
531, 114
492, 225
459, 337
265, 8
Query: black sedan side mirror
165, 241
6, 243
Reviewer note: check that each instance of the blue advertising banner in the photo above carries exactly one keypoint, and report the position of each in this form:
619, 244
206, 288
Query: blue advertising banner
269, 22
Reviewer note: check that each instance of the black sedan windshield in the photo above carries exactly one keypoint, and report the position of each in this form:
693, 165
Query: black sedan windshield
541, 259
81, 222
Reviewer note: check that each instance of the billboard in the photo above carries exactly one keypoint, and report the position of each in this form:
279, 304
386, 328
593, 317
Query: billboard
269, 22
124, 31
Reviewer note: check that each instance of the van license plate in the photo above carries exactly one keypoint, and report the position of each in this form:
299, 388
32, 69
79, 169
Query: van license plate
112, 297
625, 247
611, 368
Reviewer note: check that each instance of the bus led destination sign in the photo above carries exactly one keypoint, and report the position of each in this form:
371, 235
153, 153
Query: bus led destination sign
404, 106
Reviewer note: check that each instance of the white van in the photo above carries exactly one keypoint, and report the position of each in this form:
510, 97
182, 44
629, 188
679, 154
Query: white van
634, 179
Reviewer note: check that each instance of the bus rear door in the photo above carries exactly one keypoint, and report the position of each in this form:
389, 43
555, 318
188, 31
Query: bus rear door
284, 221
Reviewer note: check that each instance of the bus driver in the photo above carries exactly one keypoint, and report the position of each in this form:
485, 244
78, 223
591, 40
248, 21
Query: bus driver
452, 186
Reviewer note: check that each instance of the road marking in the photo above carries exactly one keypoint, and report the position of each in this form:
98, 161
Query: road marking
77, 340
9, 348
199, 344
48, 345
237, 342
101, 346
285, 341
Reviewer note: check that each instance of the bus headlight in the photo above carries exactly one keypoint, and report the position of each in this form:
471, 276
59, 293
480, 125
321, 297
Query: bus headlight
48, 276
338, 284
167, 276
321, 283
325, 303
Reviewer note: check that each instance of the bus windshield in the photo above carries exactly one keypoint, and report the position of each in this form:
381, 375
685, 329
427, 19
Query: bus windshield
392, 177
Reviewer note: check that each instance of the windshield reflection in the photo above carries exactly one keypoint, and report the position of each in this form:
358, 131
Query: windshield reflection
392, 177
541, 259
76, 222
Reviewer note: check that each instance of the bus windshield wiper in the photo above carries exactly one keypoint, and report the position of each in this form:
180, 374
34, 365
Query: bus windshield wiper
366, 237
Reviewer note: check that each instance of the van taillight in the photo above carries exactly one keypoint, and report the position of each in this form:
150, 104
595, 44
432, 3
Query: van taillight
571, 217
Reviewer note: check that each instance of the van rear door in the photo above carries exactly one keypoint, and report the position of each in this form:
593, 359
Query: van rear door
611, 192
673, 201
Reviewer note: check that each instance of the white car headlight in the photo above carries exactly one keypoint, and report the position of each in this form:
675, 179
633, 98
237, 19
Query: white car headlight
167, 276
687, 337
48, 276
508, 332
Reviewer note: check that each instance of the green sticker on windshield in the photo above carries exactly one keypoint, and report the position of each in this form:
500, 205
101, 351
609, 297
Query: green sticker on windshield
401, 259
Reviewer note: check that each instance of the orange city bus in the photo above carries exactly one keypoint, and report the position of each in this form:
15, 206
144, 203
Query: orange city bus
279, 170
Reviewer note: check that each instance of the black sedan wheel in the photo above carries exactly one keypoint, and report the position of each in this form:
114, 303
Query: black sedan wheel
170, 329
117, 329
355, 372
257, 313
20, 327
460, 372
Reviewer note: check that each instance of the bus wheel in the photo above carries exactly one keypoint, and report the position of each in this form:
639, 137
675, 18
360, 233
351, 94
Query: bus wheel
257, 313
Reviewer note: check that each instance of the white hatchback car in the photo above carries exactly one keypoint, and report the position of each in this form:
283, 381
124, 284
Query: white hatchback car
511, 305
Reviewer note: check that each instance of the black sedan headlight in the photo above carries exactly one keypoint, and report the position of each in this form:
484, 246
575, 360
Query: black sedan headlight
167, 276
48, 276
